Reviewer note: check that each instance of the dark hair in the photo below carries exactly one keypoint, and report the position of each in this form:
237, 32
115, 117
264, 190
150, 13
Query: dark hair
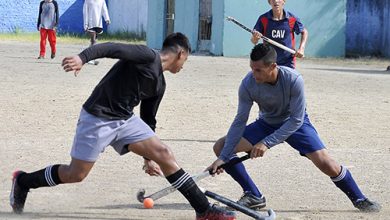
176, 41
264, 52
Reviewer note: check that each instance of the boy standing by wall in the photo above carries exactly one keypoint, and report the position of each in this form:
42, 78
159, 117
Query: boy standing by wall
47, 24
281, 26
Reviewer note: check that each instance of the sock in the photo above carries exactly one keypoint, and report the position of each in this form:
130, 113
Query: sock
41, 178
183, 182
347, 184
241, 176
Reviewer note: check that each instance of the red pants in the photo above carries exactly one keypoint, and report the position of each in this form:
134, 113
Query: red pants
51, 34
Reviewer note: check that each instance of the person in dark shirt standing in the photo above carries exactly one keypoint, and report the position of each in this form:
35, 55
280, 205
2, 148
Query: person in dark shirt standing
46, 25
107, 118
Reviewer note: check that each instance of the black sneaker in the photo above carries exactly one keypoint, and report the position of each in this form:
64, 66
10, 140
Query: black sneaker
251, 201
216, 213
53, 55
41, 57
366, 205
18, 195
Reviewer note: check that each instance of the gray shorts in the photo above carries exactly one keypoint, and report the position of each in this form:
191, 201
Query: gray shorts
94, 134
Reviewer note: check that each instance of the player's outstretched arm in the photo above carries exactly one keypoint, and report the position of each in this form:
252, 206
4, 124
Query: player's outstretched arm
72, 63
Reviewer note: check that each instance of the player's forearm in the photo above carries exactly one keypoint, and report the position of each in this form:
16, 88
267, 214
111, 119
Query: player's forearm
134, 53
233, 136
232, 139
304, 37
148, 110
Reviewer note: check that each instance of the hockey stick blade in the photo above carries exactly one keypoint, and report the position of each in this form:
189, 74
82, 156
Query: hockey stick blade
241, 208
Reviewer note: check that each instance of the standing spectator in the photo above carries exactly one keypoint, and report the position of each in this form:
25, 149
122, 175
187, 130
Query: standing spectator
47, 24
93, 11
280, 26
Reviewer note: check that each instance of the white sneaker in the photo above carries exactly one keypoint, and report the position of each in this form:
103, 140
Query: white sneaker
93, 62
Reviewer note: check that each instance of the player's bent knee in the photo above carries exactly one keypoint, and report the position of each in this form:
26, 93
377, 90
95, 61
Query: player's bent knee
218, 146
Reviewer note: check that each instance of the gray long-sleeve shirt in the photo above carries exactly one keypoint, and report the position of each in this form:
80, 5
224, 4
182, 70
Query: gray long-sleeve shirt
48, 14
282, 103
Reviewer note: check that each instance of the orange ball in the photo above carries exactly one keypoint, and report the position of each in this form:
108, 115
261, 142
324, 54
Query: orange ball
148, 203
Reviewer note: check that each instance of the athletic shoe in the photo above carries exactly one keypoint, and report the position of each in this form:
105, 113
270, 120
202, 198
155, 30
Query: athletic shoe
93, 62
366, 205
53, 55
251, 201
18, 195
41, 57
216, 213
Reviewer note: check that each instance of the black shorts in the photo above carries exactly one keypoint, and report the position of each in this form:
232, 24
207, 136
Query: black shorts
97, 30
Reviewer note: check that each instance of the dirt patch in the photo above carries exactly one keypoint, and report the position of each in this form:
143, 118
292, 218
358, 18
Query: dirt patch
348, 102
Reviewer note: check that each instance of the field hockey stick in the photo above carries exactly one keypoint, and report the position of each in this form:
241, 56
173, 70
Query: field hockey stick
170, 189
266, 39
241, 208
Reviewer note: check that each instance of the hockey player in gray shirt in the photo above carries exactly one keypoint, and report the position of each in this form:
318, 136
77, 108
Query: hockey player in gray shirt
279, 93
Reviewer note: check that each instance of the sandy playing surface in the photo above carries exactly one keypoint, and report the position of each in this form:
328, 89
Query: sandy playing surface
348, 103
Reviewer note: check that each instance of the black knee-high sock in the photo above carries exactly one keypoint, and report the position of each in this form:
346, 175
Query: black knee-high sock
183, 182
45, 177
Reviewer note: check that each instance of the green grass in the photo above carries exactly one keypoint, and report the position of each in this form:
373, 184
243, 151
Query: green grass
72, 38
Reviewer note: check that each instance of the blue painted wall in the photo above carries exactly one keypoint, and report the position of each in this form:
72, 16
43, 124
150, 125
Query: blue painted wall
128, 16
236, 41
71, 16
23, 15
187, 19
155, 27
217, 28
368, 26
325, 21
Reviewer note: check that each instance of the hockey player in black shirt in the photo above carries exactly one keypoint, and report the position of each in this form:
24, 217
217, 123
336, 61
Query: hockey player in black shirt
107, 119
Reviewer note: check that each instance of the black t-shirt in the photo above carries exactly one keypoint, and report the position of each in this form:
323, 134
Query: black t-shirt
136, 78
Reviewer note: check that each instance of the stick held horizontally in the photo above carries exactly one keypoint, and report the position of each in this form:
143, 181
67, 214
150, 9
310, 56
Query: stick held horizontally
266, 39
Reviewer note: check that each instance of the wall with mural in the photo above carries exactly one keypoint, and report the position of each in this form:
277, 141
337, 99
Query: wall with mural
127, 16
336, 28
23, 15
